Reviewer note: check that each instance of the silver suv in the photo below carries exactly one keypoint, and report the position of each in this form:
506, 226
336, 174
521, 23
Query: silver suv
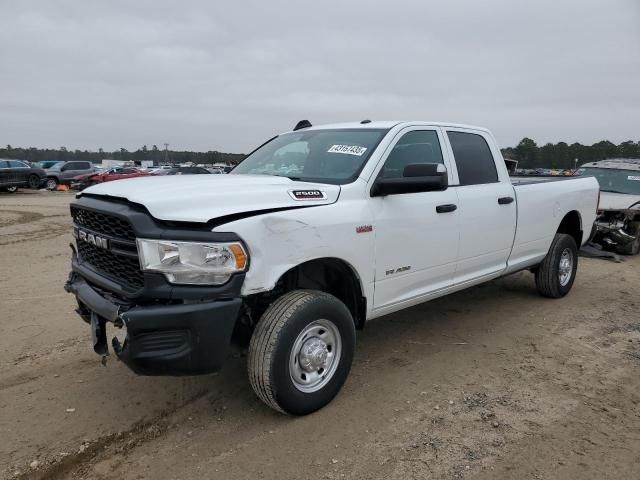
63, 172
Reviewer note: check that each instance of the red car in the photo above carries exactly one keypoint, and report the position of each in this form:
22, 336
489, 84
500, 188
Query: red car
116, 173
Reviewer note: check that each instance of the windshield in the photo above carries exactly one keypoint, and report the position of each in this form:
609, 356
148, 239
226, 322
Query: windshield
616, 181
324, 156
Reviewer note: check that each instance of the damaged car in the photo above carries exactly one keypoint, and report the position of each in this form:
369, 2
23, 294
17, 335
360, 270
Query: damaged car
617, 227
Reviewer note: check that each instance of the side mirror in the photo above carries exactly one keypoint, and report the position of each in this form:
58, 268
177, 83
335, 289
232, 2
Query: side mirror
416, 177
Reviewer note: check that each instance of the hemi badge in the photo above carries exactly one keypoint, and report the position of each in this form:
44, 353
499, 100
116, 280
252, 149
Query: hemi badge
364, 229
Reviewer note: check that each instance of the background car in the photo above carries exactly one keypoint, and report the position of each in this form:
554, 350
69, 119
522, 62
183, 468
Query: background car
618, 224
184, 171
158, 169
81, 182
46, 163
63, 172
15, 174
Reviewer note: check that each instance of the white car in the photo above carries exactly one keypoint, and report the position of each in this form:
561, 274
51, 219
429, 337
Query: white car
380, 216
618, 222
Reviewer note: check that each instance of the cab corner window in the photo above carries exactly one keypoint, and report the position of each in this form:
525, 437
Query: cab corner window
473, 158
418, 146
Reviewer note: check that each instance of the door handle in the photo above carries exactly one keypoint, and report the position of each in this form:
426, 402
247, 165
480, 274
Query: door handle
450, 207
505, 200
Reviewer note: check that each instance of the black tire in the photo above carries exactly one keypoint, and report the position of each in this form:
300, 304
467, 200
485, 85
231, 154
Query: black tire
548, 279
33, 182
270, 350
51, 183
632, 248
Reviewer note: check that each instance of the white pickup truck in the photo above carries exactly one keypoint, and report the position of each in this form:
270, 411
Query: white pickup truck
316, 232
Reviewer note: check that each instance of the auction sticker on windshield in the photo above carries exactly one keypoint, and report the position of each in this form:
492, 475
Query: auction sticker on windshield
348, 150
634, 177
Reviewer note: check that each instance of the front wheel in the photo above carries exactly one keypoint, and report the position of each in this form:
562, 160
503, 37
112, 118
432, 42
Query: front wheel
12, 189
557, 272
301, 351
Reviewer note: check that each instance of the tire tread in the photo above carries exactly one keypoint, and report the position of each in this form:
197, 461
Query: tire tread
547, 281
265, 339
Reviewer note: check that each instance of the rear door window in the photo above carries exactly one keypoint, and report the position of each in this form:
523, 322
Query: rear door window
473, 158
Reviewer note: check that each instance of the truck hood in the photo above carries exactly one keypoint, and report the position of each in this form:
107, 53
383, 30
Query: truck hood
617, 201
200, 198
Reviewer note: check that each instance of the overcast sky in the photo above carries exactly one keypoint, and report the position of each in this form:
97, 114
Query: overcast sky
204, 75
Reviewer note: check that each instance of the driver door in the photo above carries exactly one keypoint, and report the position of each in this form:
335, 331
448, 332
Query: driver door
416, 234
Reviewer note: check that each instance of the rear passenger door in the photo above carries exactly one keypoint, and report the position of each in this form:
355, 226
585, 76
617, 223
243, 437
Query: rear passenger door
73, 169
20, 170
6, 178
487, 207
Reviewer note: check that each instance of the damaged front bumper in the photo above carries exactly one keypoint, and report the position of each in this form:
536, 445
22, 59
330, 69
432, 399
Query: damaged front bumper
165, 339
613, 229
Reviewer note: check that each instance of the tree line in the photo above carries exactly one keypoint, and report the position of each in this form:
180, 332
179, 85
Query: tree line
563, 156
158, 156
528, 154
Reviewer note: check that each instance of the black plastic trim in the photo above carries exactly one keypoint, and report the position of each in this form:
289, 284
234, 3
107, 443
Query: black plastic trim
175, 339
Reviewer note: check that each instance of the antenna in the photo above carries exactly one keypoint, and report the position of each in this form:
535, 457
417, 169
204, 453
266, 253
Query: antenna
302, 124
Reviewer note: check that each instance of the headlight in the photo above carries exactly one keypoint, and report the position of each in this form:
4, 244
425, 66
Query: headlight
192, 262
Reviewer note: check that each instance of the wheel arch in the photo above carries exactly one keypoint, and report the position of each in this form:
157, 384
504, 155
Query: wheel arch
330, 275
571, 224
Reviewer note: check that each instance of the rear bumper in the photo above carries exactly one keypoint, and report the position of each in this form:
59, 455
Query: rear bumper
177, 339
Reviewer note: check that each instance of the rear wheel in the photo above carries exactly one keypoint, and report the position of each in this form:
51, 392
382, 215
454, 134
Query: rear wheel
557, 272
301, 351
52, 183
632, 248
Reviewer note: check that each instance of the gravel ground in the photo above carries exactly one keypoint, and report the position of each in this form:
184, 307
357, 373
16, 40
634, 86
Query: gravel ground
494, 382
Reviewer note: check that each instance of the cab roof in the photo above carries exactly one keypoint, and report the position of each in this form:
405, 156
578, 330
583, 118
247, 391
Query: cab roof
388, 124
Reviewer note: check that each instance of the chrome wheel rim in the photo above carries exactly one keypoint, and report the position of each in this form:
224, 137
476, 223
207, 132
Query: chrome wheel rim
51, 184
315, 356
565, 269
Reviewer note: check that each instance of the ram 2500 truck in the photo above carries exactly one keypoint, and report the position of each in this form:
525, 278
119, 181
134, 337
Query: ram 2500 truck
316, 232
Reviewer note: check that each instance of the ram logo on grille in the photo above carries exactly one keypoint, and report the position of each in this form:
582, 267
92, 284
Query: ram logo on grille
91, 238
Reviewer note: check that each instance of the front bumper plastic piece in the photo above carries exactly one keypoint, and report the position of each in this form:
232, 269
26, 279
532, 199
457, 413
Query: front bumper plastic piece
164, 339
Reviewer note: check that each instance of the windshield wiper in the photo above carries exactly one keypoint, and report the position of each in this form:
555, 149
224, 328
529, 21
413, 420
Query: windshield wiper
285, 176
615, 191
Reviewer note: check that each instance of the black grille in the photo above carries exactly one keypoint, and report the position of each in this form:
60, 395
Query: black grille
119, 267
103, 223
120, 261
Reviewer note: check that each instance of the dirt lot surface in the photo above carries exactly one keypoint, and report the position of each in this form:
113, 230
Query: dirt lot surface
492, 383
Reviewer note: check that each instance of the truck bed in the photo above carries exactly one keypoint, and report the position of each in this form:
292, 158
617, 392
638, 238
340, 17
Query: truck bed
526, 180
542, 203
